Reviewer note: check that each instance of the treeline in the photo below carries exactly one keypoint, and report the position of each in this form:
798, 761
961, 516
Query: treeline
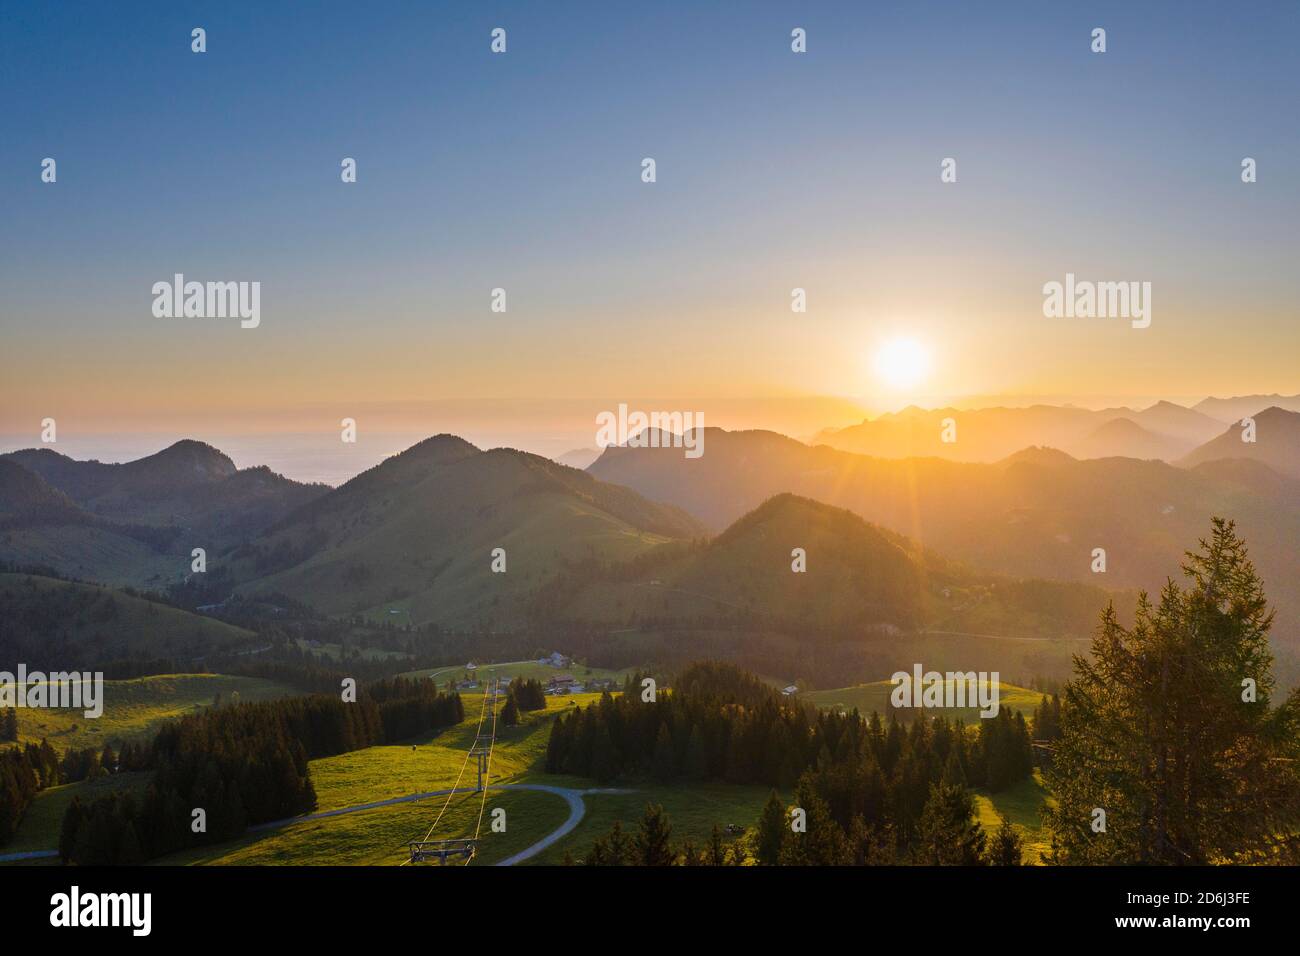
945, 837
721, 723
652, 845
524, 695
27, 770
528, 694
828, 656
221, 771
1047, 718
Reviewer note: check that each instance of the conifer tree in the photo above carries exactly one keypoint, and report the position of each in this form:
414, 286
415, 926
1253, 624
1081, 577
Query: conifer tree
716, 855
947, 834
1006, 848
822, 842
771, 831
664, 764
621, 848
510, 712
652, 839
696, 759
1169, 729
691, 855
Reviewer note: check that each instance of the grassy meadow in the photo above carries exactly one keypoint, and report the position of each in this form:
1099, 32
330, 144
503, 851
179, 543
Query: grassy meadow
1019, 803
432, 762
875, 697
526, 670
134, 708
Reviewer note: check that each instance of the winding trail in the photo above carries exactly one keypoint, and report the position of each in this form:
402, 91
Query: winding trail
572, 796
29, 855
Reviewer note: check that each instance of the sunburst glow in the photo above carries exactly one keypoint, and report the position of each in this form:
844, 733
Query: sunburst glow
902, 363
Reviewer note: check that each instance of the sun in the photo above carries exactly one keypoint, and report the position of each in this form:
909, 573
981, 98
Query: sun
902, 363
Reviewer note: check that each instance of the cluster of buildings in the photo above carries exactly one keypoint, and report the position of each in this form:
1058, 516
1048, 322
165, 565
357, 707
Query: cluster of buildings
568, 684
562, 683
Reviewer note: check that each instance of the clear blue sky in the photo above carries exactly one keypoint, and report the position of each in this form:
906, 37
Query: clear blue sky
522, 171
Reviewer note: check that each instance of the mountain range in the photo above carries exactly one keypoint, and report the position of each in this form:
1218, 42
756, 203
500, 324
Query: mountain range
135, 523
1038, 512
648, 535
1165, 430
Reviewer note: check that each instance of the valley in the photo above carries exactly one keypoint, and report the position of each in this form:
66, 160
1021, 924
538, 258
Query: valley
819, 571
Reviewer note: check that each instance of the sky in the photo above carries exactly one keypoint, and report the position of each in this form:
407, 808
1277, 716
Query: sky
522, 171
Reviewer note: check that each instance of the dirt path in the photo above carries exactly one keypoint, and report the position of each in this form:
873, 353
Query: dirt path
573, 797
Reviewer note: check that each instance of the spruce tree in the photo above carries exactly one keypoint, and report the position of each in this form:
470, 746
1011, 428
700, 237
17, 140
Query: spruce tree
619, 850
947, 834
664, 763
652, 839
1006, 848
771, 831
716, 855
1169, 729
822, 842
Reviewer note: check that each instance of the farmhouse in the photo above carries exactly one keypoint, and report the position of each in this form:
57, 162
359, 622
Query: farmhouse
562, 684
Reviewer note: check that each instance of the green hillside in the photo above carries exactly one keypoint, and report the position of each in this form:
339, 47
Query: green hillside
92, 552
135, 523
415, 536
1021, 803
1036, 513
73, 624
39, 829
432, 762
527, 670
874, 697
134, 708
863, 586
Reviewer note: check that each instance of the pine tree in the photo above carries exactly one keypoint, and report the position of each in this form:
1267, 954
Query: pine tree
691, 855
947, 834
73, 818
510, 712
716, 854
1158, 729
619, 850
1006, 848
771, 831
696, 759
822, 842
664, 761
652, 840
604, 761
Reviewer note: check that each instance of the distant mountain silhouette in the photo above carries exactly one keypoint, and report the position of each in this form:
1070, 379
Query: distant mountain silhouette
1235, 409
1125, 438
1276, 444
991, 434
1034, 513
22, 491
579, 457
182, 465
869, 601
137, 522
